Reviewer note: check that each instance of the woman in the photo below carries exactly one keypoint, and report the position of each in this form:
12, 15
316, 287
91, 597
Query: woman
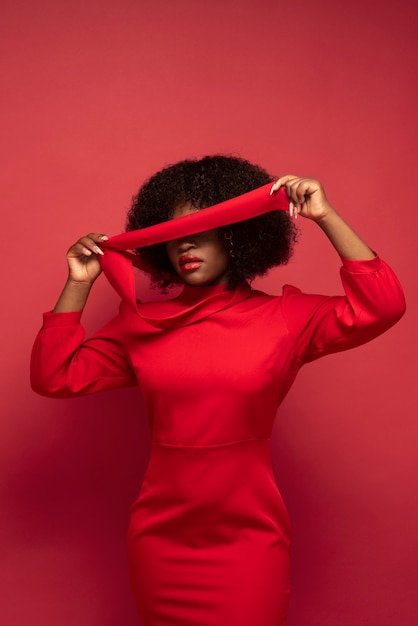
209, 534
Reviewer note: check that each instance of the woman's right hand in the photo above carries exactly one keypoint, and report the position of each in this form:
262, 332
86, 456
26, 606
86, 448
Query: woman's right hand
82, 259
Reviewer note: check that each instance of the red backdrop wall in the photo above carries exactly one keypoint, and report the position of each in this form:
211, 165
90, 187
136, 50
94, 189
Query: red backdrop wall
97, 95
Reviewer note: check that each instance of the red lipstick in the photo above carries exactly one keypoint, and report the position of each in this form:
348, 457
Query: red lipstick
188, 262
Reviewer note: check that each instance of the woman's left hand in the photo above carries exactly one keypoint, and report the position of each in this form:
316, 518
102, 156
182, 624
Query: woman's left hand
306, 196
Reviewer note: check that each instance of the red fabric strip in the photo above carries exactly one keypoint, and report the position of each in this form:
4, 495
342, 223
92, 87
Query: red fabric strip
117, 261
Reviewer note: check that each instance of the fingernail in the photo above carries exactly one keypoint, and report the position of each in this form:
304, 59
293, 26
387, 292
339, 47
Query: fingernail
97, 249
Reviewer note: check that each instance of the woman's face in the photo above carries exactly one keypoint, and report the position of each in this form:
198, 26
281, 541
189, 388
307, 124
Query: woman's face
198, 259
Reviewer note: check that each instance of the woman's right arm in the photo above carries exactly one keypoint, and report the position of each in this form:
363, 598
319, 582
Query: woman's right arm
63, 364
83, 269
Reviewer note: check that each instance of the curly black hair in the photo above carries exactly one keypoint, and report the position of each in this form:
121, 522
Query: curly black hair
255, 245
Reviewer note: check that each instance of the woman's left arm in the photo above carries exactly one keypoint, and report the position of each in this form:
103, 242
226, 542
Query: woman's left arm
307, 198
373, 300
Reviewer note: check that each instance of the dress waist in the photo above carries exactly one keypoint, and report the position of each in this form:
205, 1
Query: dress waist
195, 488
223, 444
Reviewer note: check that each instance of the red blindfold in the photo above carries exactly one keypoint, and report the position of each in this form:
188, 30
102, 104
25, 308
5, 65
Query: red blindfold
118, 260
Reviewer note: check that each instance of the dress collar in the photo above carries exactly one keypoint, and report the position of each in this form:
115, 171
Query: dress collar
191, 305
191, 295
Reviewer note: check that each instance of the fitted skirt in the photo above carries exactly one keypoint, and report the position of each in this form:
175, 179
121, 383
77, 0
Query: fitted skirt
209, 538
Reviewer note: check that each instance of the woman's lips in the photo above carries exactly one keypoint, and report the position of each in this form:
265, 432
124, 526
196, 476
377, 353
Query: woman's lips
189, 262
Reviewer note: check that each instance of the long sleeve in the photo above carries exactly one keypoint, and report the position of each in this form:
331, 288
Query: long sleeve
63, 364
373, 302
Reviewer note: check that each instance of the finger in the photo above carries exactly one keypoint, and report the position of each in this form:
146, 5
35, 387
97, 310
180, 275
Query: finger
275, 187
282, 181
80, 249
291, 190
286, 181
86, 246
97, 237
305, 189
291, 184
294, 210
299, 190
287, 178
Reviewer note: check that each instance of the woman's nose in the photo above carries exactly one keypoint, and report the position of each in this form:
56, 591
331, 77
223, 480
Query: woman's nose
186, 244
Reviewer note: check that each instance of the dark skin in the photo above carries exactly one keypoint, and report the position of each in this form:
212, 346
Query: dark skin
306, 199
212, 268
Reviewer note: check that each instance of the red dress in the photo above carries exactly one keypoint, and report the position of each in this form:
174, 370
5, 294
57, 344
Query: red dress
209, 534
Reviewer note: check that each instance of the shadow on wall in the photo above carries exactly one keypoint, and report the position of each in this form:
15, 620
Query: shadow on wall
66, 507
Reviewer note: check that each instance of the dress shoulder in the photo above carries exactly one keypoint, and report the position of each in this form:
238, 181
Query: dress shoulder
319, 324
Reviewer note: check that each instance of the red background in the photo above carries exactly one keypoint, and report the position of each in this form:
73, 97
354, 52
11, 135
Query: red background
97, 95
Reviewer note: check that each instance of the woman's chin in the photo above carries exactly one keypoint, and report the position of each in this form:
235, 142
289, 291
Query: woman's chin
194, 279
